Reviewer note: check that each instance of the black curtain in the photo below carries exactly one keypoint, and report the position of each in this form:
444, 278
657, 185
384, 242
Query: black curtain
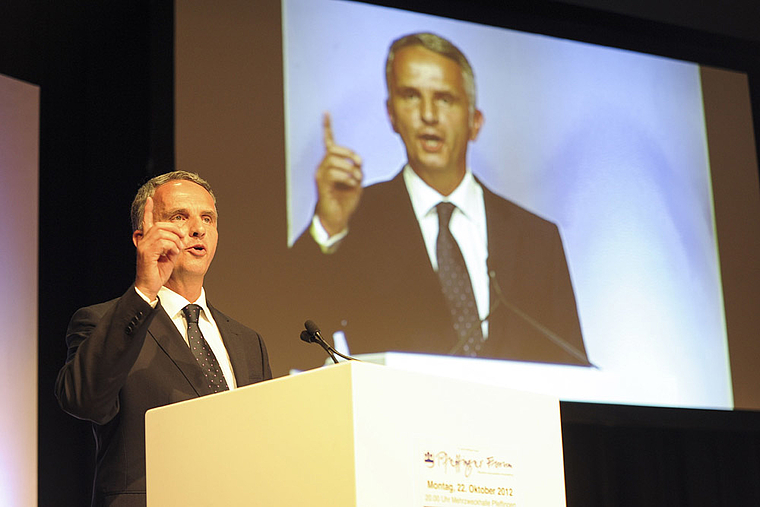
660, 457
106, 75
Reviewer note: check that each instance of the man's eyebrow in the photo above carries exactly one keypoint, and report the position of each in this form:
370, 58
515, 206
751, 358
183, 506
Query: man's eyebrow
184, 211
174, 211
449, 94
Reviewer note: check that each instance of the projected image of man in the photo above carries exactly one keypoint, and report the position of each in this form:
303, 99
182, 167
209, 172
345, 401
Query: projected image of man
431, 260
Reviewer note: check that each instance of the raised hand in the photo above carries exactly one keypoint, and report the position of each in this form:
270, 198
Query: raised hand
339, 182
158, 246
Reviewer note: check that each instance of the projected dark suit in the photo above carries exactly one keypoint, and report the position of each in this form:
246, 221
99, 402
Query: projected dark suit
125, 358
388, 296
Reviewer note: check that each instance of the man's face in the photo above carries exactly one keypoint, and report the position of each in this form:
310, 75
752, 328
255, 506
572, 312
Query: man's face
428, 107
190, 207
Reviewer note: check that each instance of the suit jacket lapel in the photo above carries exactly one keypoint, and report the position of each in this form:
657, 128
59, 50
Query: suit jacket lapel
234, 345
502, 248
165, 333
426, 290
501, 230
407, 228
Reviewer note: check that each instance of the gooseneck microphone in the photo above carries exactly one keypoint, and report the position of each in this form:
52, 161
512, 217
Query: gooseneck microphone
501, 299
543, 330
310, 338
312, 334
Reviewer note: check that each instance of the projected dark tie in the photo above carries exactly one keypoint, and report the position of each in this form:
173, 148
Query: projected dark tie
201, 350
456, 285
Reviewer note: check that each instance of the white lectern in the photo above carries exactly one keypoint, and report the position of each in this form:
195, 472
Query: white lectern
357, 435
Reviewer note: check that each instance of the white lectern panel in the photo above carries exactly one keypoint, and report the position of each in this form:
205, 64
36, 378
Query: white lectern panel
357, 435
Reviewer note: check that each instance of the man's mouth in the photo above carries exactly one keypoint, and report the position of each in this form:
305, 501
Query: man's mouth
431, 142
197, 249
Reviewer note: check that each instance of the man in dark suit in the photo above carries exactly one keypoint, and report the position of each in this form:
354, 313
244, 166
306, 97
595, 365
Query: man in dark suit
160, 342
432, 261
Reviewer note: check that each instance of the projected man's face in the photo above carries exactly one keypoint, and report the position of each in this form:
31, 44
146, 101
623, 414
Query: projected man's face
428, 107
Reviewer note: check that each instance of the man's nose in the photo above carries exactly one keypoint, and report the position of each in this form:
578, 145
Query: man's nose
197, 227
428, 110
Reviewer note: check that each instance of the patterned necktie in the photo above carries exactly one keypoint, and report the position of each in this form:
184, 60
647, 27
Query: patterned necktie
456, 285
202, 351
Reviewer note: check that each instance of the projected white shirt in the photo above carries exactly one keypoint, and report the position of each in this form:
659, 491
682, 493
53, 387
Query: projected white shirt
468, 226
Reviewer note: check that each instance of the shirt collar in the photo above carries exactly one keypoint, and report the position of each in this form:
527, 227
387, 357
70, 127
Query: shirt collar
173, 303
425, 198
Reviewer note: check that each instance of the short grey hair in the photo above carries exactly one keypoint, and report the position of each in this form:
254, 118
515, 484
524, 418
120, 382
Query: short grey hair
441, 46
149, 188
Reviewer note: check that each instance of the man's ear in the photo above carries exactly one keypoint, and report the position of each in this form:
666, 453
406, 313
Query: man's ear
136, 236
476, 124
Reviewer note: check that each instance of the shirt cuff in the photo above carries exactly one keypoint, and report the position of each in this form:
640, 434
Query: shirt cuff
145, 298
320, 236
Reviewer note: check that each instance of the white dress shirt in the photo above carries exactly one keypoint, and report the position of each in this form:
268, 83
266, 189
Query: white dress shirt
173, 303
468, 226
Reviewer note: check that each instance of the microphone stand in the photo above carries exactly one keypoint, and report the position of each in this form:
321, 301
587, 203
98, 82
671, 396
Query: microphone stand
312, 334
309, 338
548, 333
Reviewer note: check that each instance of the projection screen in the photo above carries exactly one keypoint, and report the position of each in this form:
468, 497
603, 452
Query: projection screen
646, 164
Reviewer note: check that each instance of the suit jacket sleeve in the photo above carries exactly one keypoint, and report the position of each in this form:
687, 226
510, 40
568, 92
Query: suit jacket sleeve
103, 342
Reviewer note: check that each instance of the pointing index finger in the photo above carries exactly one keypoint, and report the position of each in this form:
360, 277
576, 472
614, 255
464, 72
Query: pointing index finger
327, 131
148, 215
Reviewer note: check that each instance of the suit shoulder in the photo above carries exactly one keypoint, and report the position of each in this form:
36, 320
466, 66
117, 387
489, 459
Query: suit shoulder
129, 302
377, 193
387, 199
504, 210
129, 312
223, 319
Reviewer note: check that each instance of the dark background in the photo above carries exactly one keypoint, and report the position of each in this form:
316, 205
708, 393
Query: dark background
106, 75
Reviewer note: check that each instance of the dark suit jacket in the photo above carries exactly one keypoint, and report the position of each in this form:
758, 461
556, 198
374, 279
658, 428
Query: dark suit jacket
388, 297
125, 358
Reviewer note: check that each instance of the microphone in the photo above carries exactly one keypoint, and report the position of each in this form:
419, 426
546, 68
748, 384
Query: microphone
546, 332
312, 338
313, 330
312, 334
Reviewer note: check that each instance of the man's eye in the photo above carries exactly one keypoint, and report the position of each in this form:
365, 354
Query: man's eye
177, 218
207, 220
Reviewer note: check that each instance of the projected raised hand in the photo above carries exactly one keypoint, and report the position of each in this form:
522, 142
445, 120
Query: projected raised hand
339, 182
